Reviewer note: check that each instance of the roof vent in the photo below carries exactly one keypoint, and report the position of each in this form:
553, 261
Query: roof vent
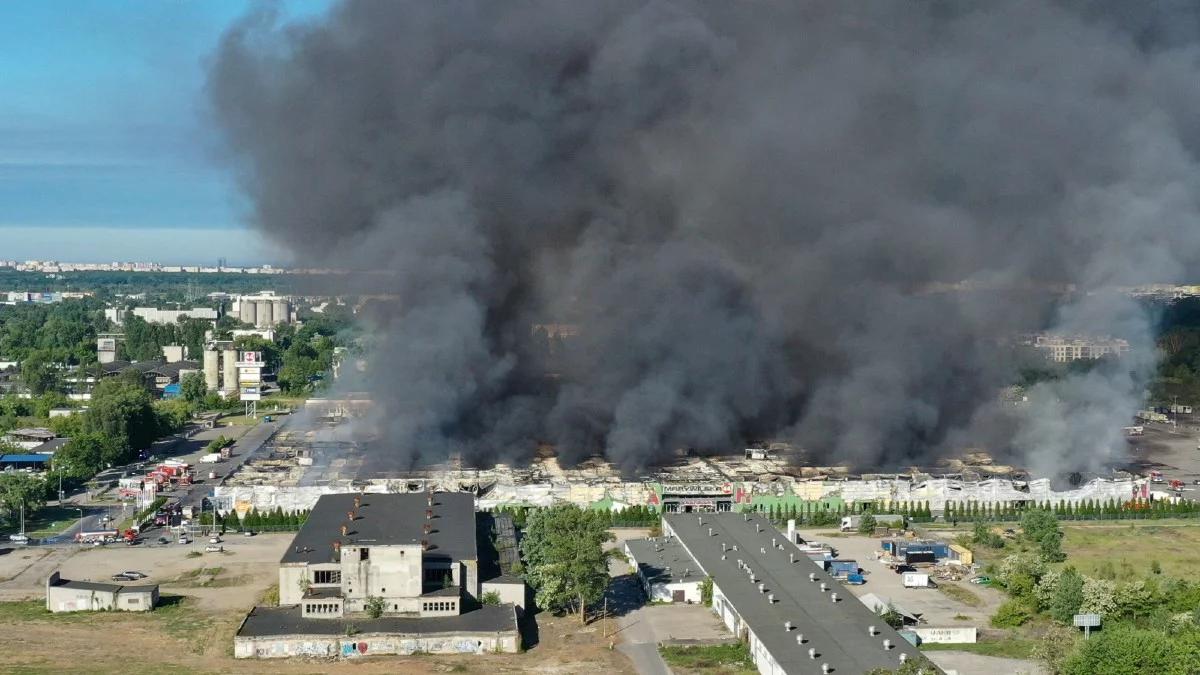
772, 542
812, 576
723, 547
833, 597
350, 516
887, 645
826, 668
426, 528
337, 546
762, 588
424, 544
710, 531
792, 558
824, 587
746, 517
812, 652
722, 556
903, 657
799, 638
771, 598
428, 514
357, 500
344, 528
787, 626
699, 520
870, 630
757, 527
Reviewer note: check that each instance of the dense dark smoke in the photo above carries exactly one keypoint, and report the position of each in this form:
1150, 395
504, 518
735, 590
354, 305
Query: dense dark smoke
754, 213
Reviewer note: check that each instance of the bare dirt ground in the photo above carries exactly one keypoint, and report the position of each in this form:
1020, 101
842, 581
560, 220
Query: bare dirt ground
206, 597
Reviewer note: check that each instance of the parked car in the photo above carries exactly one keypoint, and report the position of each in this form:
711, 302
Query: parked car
214, 539
163, 540
981, 580
184, 540
135, 575
18, 538
123, 577
248, 533
214, 548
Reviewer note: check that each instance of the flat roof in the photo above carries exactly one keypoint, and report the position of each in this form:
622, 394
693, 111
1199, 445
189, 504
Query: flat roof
837, 631
387, 519
279, 621
103, 587
25, 458
663, 561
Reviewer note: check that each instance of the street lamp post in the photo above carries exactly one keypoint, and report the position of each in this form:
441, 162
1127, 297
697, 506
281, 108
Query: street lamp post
80, 524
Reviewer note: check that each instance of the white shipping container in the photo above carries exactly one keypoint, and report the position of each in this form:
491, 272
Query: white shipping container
916, 580
211, 458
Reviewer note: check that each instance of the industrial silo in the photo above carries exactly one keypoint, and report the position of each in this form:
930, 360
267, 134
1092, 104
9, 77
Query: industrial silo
211, 369
265, 311
283, 312
246, 313
229, 356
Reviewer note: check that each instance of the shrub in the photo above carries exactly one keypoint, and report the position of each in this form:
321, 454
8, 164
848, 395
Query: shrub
490, 598
1011, 614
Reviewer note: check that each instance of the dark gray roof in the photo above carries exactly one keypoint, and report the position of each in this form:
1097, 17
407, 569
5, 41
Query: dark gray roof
450, 592
172, 369
269, 621
104, 587
654, 557
510, 579
322, 593
49, 446
388, 519
838, 631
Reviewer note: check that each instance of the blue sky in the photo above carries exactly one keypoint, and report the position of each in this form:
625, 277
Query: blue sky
105, 151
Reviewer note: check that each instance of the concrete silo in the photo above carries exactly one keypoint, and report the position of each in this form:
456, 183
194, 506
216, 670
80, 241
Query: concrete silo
265, 313
283, 312
246, 312
211, 369
229, 359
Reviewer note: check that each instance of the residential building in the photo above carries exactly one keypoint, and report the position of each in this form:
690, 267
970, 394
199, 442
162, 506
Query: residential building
1062, 349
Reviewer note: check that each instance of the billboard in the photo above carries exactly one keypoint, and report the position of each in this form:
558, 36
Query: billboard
106, 345
249, 376
251, 357
250, 394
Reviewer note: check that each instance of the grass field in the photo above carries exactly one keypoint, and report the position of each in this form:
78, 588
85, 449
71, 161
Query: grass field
49, 521
709, 659
1127, 549
961, 593
1009, 648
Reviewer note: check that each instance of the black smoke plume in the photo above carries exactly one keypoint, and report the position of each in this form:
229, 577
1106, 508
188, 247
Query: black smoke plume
809, 220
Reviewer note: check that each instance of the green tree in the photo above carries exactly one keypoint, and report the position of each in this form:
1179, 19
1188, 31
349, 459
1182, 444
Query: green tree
867, 524
38, 373
374, 606
192, 388
1121, 649
1068, 596
564, 557
124, 413
83, 456
18, 489
490, 598
1050, 547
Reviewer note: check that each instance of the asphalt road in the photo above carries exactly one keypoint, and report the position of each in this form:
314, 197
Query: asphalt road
249, 445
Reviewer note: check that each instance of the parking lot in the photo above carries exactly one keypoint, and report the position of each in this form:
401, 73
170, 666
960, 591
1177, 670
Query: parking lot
933, 605
234, 578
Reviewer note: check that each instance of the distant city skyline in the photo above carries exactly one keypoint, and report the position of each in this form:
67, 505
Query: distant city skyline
106, 152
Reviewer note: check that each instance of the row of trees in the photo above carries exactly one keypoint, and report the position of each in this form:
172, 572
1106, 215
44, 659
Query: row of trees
821, 513
1090, 509
270, 521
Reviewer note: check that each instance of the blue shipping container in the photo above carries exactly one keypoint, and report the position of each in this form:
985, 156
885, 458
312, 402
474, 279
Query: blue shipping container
841, 567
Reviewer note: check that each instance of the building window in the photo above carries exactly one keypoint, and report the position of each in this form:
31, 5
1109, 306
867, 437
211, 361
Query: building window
134, 601
327, 576
364, 553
